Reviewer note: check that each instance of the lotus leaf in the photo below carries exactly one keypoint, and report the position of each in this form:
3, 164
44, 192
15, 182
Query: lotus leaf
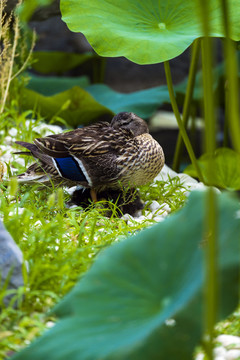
143, 31
225, 172
47, 62
50, 85
76, 106
144, 103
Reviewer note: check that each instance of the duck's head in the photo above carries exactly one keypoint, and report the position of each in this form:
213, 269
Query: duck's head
130, 121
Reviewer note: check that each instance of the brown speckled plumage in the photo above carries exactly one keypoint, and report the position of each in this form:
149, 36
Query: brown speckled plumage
107, 155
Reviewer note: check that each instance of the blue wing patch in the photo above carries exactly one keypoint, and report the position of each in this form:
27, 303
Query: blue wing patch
70, 169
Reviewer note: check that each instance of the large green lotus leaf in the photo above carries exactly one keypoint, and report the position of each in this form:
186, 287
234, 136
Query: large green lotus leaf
145, 31
225, 169
76, 106
50, 85
47, 62
144, 103
143, 297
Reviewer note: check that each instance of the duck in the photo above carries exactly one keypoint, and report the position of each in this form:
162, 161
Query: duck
101, 156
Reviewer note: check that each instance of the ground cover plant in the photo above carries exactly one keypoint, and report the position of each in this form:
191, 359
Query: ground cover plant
122, 304
49, 235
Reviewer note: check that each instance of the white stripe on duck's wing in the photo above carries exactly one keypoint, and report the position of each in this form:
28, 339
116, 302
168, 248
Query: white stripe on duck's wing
84, 171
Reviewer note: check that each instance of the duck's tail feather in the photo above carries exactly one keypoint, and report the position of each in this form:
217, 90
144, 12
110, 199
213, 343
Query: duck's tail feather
22, 153
31, 147
36, 172
34, 150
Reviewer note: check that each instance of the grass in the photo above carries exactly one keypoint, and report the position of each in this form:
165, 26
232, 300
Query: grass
230, 326
59, 243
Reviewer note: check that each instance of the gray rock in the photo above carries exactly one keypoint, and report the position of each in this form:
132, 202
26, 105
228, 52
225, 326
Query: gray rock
11, 260
233, 354
220, 351
229, 340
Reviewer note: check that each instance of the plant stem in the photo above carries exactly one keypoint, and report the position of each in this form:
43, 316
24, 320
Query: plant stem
211, 274
2, 3
179, 120
99, 67
187, 102
211, 207
24, 65
226, 120
232, 88
209, 115
91, 237
102, 71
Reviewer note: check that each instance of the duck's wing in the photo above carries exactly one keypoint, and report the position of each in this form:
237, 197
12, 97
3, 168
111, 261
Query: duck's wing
91, 140
73, 155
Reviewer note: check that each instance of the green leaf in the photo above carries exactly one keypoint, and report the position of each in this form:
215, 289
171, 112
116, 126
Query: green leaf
47, 62
144, 102
50, 85
225, 172
143, 298
81, 107
27, 8
143, 31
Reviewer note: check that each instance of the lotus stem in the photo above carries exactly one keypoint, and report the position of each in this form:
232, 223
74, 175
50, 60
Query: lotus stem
187, 102
232, 88
211, 206
179, 120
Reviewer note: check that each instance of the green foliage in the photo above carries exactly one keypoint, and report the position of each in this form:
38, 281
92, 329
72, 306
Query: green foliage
143, 102
46, 62
225, 169
28, 7
231, 325
145, 32
76, 106
81, 106
50, 85
218, 76
136, 302
49, 235
15, 52
170, 192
